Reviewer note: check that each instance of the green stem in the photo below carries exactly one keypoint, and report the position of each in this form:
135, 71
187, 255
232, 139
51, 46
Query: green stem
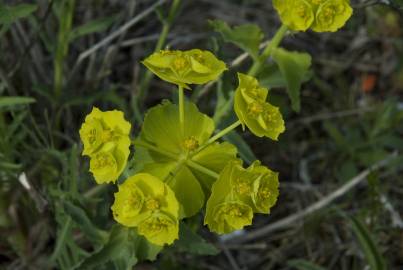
181, 109
223, 132
201, 168
155, 149
278, 37
166, 25
61, 239
66, 19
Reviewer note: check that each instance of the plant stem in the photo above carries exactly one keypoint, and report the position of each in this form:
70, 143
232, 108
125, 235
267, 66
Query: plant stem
223, 132
166, 25
181, 109
66, 19
278, 37
201, 168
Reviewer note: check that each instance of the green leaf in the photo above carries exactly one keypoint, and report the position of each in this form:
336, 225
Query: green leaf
302, 264
124, 249
15, 101
190, 242
368, 245
84, 223
247, 37
294, 67
271, 77
97, 25
10, 14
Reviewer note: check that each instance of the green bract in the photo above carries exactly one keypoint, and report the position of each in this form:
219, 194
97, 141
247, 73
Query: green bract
161, 131
146, 202
332, 15
319, 15
185, 67
298, 15
238, 193
262, 118
105, 136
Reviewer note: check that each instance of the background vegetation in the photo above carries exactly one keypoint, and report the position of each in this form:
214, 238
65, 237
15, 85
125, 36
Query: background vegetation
340, 160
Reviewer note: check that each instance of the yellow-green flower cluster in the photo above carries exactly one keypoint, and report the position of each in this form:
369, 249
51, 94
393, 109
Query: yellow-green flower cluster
105, 136
319, 15
185, 67
252, 109
145, 202
238, 193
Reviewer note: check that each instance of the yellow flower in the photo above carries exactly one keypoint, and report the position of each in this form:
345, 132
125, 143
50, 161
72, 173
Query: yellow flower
185, 67
103, 127
145, 202
298, 15
319, 15
230, 216
265, 188
159, 229
238, 193
262, 118
105, 136
332, 15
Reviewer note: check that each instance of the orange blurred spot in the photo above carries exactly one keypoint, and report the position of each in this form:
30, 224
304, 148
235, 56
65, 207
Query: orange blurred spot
368, 82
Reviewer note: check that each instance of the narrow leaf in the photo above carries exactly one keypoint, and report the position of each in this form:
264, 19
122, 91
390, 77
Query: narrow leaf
14, 101
368, 245
302, 264
95, 26
10, 14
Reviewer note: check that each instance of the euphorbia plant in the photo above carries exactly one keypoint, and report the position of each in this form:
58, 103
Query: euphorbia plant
181, 167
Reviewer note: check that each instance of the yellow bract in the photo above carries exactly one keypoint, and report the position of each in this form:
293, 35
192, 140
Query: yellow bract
105, 136
145, 202
319, 15
185, 67
238, 193
262, 118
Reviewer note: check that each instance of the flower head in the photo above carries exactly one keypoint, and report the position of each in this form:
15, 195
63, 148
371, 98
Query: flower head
319, 15
230, 216
159, 229
105, 136
332, 15
145, 202
298, 15
250, 105
238, 193
101, 127
185, 67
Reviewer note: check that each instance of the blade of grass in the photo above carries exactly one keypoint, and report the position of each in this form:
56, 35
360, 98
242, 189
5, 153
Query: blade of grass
65, 23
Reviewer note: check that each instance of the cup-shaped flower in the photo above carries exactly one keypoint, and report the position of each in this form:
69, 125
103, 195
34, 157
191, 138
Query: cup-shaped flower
319, 15
185, 67
230, 216
225, 211
105, 136
298, 15
104, 127
262, 118
145, 202
265, 188
331, 15
108, 163
238, 193
159, 229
